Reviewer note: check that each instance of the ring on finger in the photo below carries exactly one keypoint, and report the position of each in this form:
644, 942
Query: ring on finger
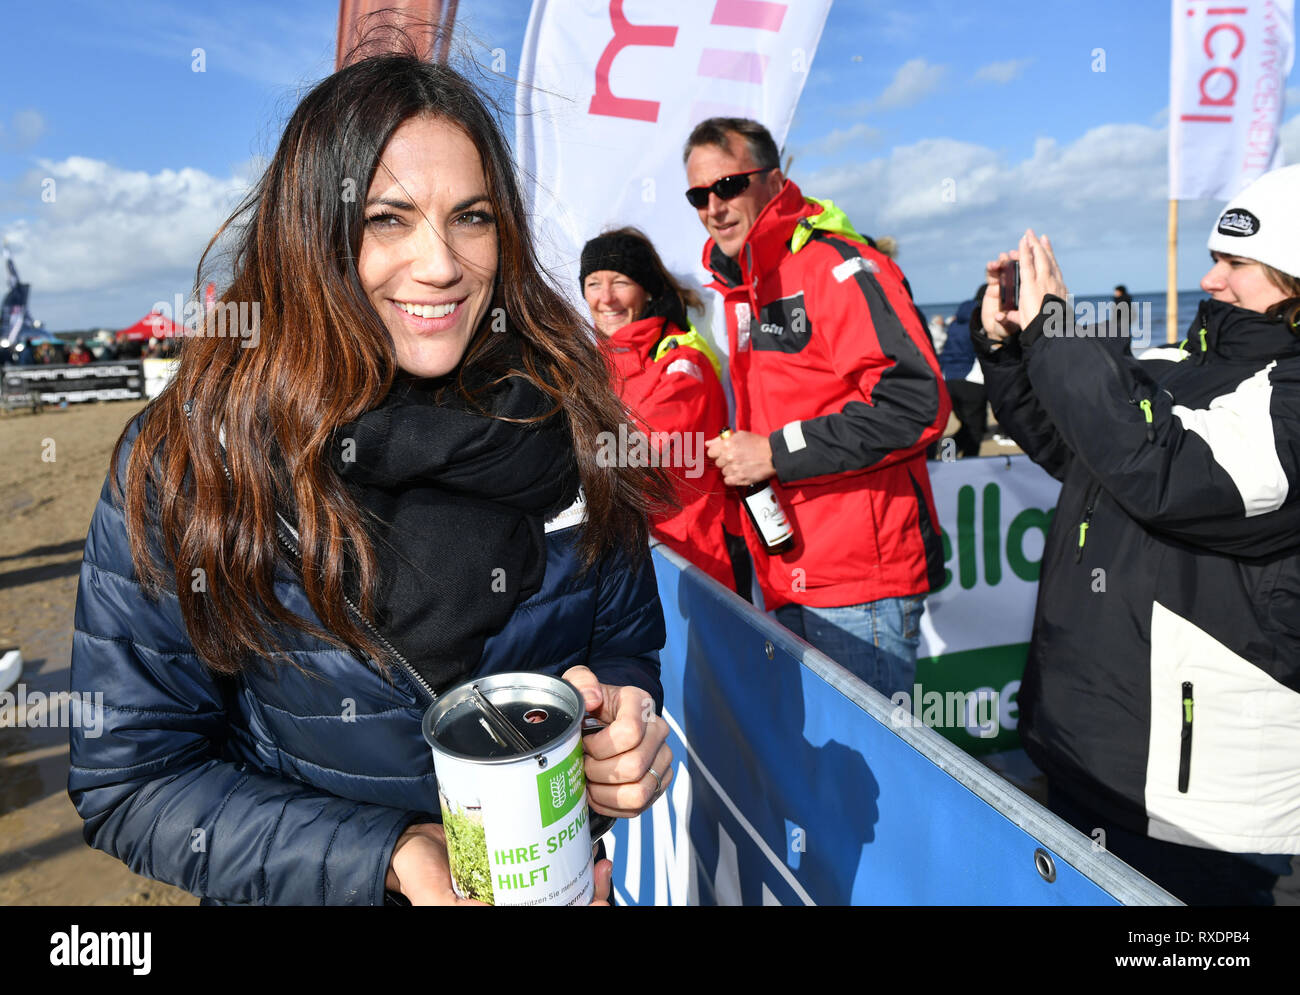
659, 781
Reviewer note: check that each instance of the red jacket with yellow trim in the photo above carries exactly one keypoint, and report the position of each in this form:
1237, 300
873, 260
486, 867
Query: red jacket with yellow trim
830, 359
670, 381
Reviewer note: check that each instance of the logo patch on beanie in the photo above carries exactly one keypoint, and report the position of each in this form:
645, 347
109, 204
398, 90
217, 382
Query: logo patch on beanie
1238, 223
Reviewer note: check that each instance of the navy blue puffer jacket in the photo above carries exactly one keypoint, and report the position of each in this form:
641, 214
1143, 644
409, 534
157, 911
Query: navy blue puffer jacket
284, 787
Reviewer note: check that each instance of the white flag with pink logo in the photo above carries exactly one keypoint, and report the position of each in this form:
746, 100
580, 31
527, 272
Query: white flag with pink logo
1228, 70
610, 89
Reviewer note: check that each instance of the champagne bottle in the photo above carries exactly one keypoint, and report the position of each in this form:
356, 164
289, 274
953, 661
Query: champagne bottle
766, 514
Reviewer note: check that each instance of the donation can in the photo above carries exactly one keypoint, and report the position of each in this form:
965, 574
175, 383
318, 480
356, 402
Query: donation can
507, 752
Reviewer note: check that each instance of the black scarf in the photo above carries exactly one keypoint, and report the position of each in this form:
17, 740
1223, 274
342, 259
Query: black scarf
455, 503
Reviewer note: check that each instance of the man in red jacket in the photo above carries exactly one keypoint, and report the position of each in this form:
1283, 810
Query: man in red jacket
838, 393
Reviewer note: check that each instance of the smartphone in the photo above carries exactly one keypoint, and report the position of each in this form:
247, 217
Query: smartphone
1009, 288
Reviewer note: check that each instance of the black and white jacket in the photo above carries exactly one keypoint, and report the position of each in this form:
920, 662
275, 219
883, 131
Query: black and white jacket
1163, 682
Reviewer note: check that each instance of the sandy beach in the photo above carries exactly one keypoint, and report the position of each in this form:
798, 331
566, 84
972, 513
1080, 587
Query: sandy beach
55, 464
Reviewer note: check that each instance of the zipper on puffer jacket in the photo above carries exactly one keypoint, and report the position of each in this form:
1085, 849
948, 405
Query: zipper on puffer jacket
356, 612
292, 547
1185, 746
1085, 521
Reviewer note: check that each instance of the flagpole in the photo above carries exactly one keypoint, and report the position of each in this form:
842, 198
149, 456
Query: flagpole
1172, 332
445, 29
386, 25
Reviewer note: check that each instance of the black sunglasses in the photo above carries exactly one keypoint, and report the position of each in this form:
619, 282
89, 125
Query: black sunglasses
726, 188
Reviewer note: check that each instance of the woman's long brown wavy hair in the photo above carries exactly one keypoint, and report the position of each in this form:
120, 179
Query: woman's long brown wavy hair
323, 357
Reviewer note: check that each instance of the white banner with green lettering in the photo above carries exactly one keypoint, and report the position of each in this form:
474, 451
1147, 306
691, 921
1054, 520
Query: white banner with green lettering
994, 512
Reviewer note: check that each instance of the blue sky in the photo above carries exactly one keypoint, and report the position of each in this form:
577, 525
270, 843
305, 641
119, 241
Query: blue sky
1000, 98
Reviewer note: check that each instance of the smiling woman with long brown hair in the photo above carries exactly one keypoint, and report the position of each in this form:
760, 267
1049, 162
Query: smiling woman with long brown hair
316, 529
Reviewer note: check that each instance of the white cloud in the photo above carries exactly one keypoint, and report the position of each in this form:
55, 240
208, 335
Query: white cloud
954, 204
112, 241
915, 80
1002, 72
1293, 97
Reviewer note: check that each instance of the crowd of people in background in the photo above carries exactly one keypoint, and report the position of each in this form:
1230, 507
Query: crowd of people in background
81, 352
32, 354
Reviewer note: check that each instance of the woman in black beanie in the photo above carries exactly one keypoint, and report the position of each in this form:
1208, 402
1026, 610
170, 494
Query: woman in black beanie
670, 380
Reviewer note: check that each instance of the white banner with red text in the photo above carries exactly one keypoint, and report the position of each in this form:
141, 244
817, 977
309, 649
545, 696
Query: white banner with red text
608, 92
1229, 64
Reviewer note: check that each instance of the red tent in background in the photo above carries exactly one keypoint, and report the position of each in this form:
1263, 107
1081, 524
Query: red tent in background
152, 326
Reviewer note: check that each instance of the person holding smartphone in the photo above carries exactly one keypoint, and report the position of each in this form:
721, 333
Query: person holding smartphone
1162, 690
302, 543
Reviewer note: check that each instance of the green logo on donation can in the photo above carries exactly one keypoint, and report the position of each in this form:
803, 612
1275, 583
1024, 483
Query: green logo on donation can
560, 789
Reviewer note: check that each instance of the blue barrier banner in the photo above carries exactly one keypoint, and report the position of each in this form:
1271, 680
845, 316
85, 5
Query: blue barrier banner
794, 783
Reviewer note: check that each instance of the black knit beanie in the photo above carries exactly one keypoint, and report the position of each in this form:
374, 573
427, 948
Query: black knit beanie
621, 254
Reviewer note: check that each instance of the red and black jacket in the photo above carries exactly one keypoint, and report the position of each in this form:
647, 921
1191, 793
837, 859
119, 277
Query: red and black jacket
830, 359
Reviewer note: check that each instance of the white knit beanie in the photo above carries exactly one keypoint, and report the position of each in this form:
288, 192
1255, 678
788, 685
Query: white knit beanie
1263, 222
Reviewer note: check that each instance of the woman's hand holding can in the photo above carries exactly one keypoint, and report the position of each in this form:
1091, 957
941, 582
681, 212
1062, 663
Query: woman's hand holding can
629, 762
419, 869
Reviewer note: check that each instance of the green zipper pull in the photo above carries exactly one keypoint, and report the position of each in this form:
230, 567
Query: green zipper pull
1185, 741
1146, 412
1083, 526
1203, 345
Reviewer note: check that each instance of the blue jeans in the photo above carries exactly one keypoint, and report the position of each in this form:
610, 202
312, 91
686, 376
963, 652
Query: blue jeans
876, 641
